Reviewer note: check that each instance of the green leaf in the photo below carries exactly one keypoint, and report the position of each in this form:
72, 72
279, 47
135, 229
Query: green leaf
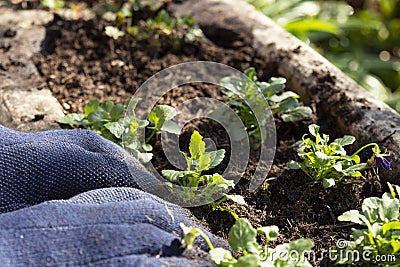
338, 167
142, 157
356, 174
251, 73
216, 157
107, 105
98, 115
117, 111
73, 118
321, 157
269, 90
300, 245
91, 106
381, 210
249, 260
190, 233
53, 4
116, 128
271, 232
294, 165
356, 159
133, 103
147, 147
297, 114
219, 181
351, 216
231, 86
236, 198
243, 237
313, 129
390, 226
283, 96
203, 163
171, 127
172, 175
345, 140
395, 245
221, 256
196, 146
160, 114
287, 105
355, 168
328, 182
304, 26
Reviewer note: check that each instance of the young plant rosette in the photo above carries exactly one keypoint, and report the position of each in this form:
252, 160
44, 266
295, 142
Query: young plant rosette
329, 163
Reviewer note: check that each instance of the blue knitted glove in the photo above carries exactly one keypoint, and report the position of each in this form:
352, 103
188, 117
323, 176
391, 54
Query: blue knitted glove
68, 198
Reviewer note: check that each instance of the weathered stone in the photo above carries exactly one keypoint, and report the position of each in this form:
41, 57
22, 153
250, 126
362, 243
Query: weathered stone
25, 103
32, 110
24, 18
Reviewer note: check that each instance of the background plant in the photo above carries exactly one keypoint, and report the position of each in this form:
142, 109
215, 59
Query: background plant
53, 4
242, 238
198, 161
328, 162
283, 104
362, 39
381, 237
115, 121
151, 25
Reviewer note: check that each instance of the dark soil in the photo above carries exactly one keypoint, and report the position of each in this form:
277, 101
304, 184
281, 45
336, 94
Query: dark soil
79, 62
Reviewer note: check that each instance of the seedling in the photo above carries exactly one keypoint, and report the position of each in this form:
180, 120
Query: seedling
381, 237
285, 104
113, 122
165, 31
151, 25
329, 163
190, 179
242, 238
53, 4
160, 117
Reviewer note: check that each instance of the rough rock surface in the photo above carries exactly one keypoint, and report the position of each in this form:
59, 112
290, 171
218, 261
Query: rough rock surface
25, 102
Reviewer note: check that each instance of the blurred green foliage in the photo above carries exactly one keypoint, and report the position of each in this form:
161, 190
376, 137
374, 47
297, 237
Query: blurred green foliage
150, 23
363, 40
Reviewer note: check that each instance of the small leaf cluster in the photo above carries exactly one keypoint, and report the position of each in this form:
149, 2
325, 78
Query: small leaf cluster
285, 104
53, 4
197, 162
151, 25
115, 122
328, 162
381, 237
165, 32
242, 238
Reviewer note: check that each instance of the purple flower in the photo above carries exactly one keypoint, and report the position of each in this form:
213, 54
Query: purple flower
383, 163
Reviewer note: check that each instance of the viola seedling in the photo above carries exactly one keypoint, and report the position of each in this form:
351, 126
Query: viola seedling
329, 163
112, 122
192, 178
161, 119
381, 237
282, 104
242, 238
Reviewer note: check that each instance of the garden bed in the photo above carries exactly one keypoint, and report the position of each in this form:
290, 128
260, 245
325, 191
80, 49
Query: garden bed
79, 62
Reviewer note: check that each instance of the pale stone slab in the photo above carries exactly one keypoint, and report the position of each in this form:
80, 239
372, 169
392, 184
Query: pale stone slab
26, 103
32, 110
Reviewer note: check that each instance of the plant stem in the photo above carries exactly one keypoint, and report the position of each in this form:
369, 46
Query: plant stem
151, 135
220, 201
362, 148
208, 241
